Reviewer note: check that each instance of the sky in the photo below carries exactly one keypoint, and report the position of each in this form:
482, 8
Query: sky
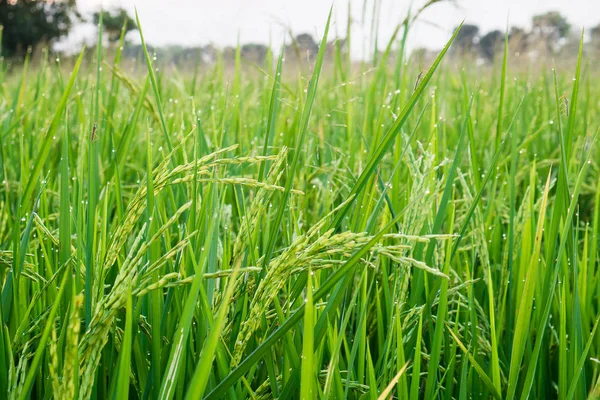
222, 22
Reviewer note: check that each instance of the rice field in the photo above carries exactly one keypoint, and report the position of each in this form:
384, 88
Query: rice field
372, 232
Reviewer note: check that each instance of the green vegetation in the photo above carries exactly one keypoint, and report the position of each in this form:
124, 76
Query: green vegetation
25, 24
340, 233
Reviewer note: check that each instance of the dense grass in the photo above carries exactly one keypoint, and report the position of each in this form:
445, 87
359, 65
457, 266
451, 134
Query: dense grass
365, 233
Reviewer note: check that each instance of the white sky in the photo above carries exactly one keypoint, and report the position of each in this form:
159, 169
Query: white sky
198, 22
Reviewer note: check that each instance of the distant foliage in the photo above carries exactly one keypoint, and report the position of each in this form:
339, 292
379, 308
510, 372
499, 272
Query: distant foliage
595, 37
550, 28
114, 21
467, 38
254, 52
551, 24
550, 36
29, 23
490, 43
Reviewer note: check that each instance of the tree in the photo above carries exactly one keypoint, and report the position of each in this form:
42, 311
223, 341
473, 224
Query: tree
550, 28
306, 40
595, 36
594, 44
28, 23
466, 38
489, 43
303, 47
114, 21
518, 40
254, 52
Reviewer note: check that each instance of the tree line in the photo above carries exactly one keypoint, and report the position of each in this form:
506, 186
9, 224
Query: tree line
28, 24
550, 33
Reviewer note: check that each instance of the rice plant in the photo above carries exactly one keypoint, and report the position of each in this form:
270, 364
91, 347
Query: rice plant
343, 231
